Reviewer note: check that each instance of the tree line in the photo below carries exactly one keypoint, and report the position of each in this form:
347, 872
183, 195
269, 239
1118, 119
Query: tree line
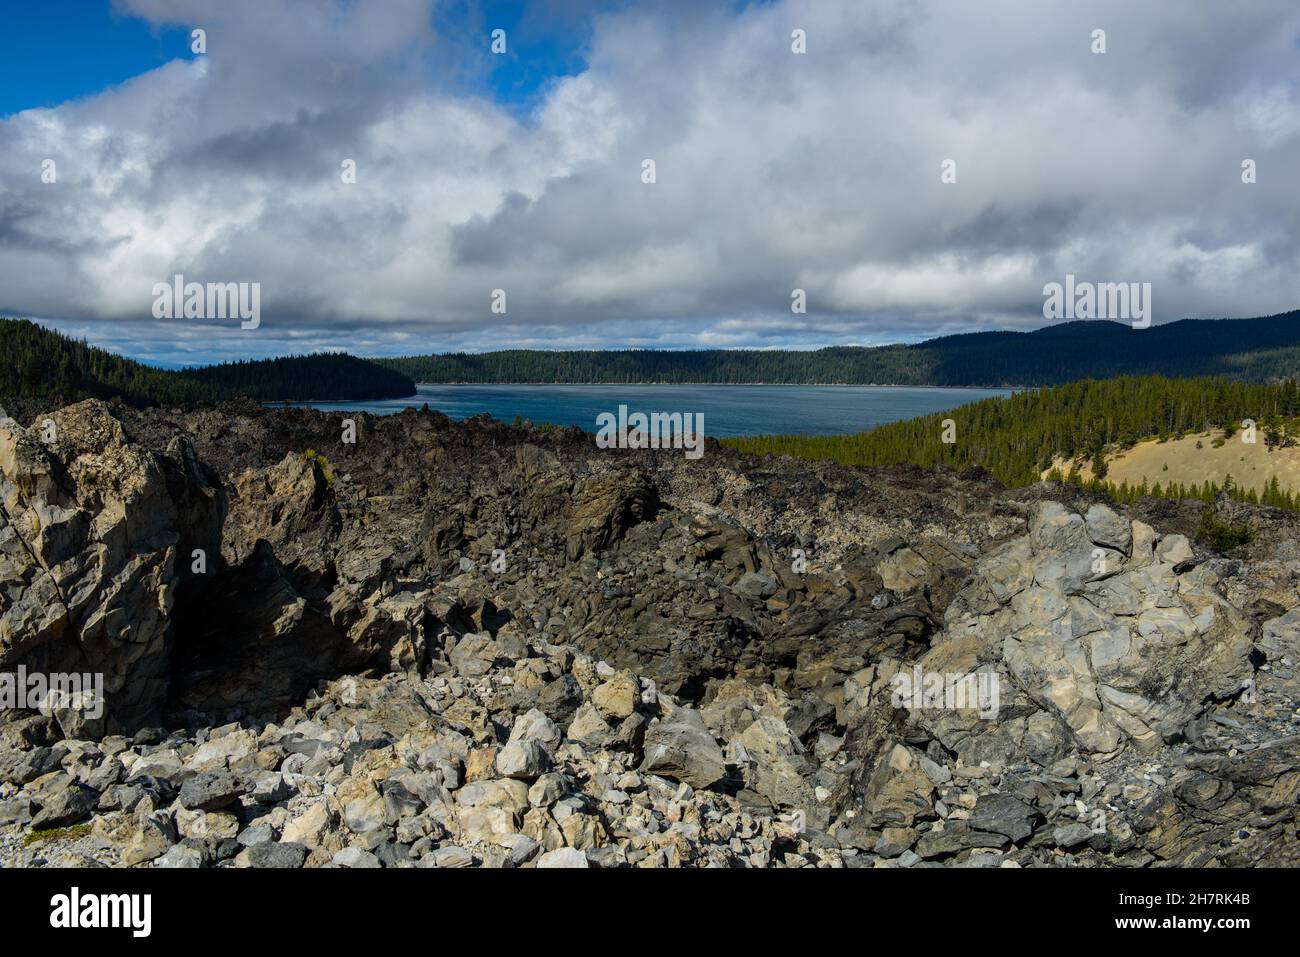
37, 362
1273, 494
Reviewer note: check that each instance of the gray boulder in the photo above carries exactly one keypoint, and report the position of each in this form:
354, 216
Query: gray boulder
211, 792
680, 747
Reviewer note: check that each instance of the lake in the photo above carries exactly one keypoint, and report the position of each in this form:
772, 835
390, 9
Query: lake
728, 409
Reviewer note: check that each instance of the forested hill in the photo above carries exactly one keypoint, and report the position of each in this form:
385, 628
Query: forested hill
1257, 350
325, 375
38, 362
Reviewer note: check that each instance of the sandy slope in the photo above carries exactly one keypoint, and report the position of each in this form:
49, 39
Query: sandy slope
1251, 465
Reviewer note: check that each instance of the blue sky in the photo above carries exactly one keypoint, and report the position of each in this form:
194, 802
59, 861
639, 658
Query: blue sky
59, 50
539, 49
778, 170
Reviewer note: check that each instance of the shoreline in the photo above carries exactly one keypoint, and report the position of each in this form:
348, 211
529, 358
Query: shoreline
792, 385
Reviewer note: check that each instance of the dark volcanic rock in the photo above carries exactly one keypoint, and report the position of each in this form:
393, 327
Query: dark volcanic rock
605, 509
1004, 814
264, 648
210, 792
277, 855
68, 805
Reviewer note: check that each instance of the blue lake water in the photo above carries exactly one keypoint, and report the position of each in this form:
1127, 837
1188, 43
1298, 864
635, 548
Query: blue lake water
727, 409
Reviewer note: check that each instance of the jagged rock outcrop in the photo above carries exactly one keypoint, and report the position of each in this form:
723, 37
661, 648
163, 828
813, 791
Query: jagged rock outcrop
1091, 620
97, 534
290, 506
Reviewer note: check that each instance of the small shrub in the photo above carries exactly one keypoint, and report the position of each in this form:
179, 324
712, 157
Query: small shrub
324, 464
1220, 535
56, 833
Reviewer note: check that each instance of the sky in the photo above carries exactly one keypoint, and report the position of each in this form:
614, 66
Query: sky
523, 172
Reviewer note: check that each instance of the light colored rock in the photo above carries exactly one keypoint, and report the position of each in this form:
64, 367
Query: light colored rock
898, 790
180, 856
480, 764
546, 790
1107, 528
355, 857
525, 760
779, 765
364, 814
1128, 657
617, 698
154, 834
451, 857
588, 728
567, 857
221, 752
583, 831
474, 655
313, 828
533, 725
208, 825
520, 848
680, 747
903, 571
504, 793
87, 540
1174, 549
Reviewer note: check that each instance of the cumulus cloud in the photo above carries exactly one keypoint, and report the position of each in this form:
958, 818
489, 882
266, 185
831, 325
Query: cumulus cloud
818, 171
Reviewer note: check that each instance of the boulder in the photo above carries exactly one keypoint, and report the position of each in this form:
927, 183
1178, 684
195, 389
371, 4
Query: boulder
680, 747
779, 767
211, 792
1121, 650
1004, 814
525, 760
562, 857
605, 508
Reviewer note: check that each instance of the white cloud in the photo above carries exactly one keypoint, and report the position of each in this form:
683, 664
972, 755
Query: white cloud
774, 171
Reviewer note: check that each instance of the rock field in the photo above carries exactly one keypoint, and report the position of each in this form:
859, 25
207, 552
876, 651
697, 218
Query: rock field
482, 645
